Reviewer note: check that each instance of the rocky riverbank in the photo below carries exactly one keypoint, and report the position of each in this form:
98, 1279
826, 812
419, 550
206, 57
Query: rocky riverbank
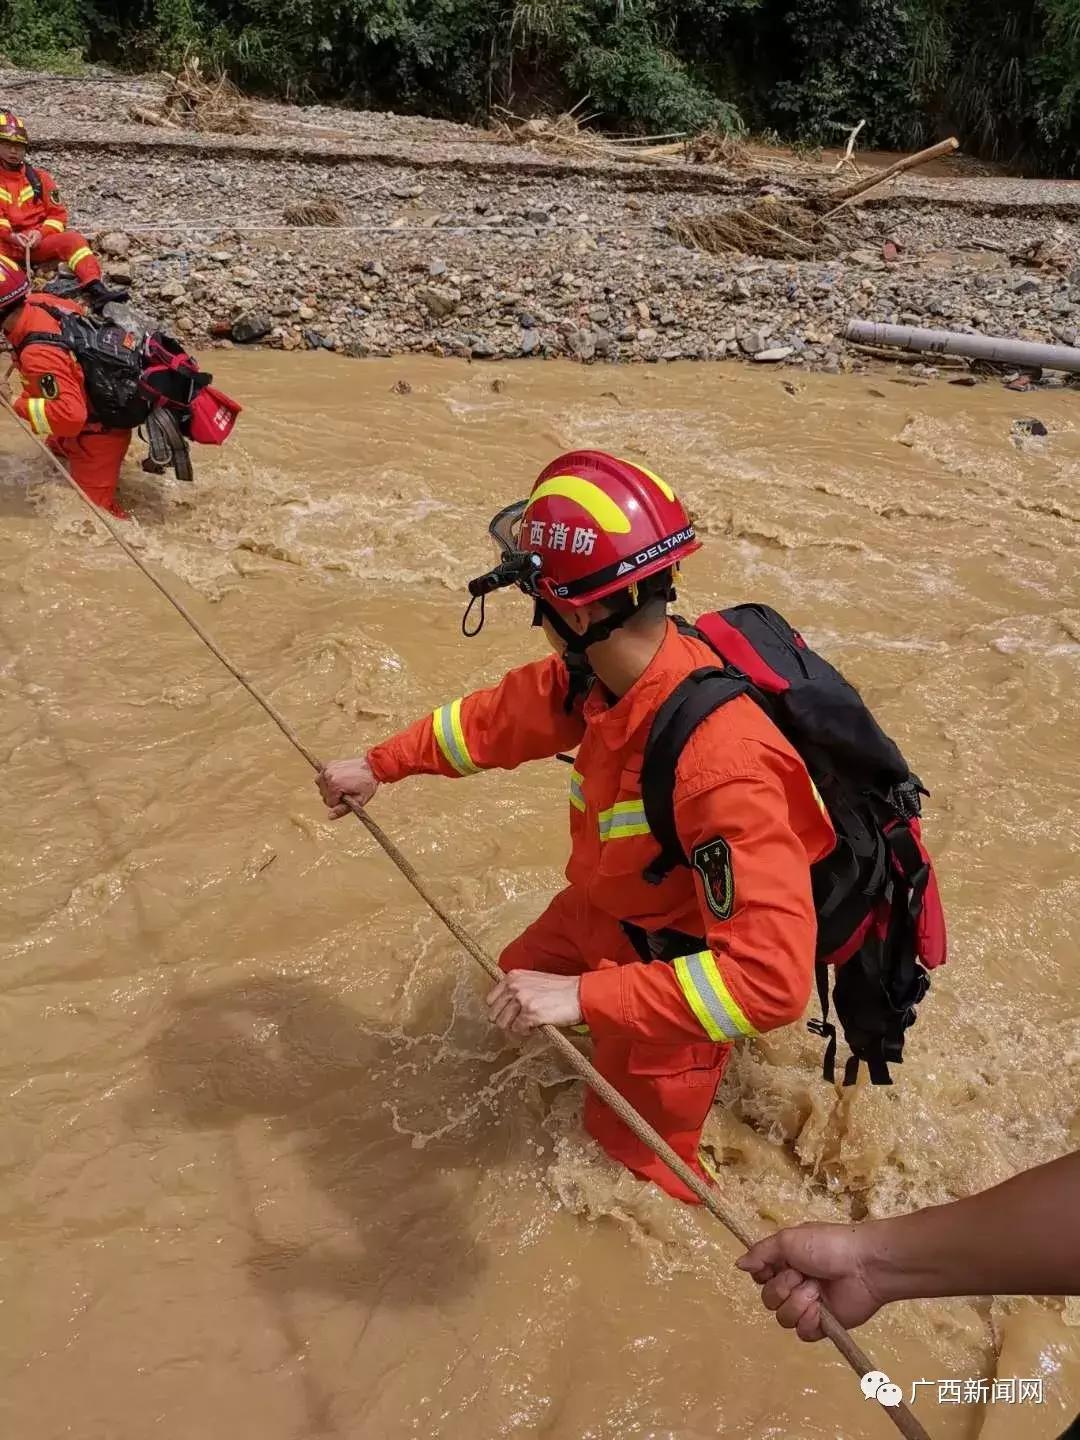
496, 253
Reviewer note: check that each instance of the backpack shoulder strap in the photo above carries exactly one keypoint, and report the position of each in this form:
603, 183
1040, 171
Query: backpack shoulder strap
691, 702
34, 181
45, 337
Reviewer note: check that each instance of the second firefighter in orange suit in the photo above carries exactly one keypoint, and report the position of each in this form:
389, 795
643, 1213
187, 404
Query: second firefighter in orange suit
595, 546
53, 398
33, 222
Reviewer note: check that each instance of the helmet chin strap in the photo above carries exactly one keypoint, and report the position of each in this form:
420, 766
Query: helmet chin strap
600, 630
575, 659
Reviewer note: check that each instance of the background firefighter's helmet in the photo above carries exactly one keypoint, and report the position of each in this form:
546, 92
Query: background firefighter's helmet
12, 129
14, 285
599, 525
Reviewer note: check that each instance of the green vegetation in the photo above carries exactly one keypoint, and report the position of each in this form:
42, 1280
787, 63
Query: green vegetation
1004, 74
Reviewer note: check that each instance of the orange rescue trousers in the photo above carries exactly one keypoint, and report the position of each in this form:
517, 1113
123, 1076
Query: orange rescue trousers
672, 1086
94, 459
68, 246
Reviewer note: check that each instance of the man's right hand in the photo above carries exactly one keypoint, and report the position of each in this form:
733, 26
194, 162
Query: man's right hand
353, 778
799, 1267
30, 238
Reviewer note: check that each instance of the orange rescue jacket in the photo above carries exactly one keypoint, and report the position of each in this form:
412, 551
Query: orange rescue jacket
53, 397
21, 209
738, 782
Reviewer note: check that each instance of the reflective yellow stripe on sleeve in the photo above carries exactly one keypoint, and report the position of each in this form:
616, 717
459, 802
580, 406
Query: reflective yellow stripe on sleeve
53, 224
625, 819
83, 253
450, 739
5, 222
577, 796
711, 1001
39, 421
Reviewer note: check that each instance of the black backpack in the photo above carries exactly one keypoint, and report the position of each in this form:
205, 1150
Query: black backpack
126, 375
880, 920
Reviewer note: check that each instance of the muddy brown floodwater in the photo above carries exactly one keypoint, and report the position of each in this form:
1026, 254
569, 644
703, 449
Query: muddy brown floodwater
266, 1172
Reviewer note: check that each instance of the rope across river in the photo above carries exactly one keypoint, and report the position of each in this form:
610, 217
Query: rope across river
709, 1195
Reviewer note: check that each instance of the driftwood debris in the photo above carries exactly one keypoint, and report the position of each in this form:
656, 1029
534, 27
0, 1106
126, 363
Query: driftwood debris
1024, 354
316, 212
194, 102
777, 229
848, 157
909, 162
784, 229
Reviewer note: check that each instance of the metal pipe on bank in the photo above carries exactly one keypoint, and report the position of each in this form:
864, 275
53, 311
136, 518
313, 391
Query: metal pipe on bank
1025, 354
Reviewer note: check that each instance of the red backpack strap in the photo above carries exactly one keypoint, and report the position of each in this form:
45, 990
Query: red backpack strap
734, 647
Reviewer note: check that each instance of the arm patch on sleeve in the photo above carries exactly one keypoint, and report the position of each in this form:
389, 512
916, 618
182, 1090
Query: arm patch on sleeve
49, 387
712, 861
54, 196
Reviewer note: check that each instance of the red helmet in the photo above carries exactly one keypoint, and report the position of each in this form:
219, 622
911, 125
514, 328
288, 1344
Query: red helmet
12, 128
14, 286
598, 525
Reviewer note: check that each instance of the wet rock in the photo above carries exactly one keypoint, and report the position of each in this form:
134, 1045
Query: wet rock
251, 327
401, 387
582, 343
770, 357
114, 243
751, 342
482, 350
1029, 426
315, 340
436, 303
530, 342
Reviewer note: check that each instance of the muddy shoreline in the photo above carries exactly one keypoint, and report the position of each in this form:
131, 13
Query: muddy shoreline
455, 244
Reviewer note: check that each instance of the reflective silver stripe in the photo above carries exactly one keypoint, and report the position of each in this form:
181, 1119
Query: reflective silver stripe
623, 821
577, 795
450, 739
709, 997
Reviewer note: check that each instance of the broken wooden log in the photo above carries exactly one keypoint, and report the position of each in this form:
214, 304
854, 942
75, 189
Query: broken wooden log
1024, 354
909, 162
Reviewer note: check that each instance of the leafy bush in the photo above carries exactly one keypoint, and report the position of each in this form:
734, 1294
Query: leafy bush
45, 34
1004, 74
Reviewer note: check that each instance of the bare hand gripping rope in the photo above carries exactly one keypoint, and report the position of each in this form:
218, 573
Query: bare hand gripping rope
709, 1196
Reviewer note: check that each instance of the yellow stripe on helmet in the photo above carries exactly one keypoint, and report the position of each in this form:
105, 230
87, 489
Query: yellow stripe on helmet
662, 485
590, 497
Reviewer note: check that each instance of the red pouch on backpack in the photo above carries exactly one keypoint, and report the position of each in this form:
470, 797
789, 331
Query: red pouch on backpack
213, 415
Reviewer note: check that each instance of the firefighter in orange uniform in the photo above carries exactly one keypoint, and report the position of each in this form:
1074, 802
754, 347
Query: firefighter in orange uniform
32, 220
668, 975
53, 399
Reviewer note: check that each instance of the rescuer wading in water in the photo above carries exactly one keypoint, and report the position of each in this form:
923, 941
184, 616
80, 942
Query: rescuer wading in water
665, 972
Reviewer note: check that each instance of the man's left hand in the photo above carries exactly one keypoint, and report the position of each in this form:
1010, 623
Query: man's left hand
30, 238
524, 999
